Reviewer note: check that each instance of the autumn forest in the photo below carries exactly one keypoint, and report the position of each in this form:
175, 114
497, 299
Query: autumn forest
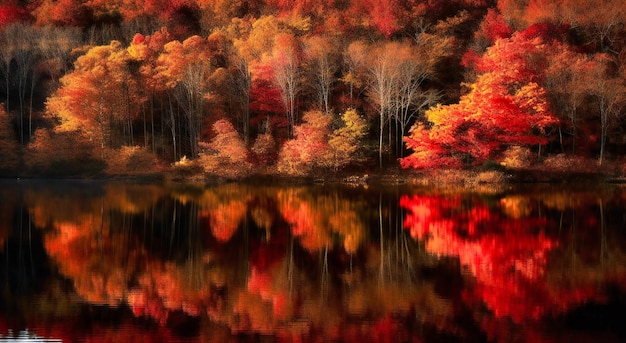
237, 88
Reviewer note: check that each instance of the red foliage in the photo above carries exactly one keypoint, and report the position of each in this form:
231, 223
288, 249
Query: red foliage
384, 15
494, 27
265, 97
505, 106
507, 256
11, 12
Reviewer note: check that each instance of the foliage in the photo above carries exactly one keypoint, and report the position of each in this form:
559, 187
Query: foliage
157, 74
346, 143
226, 154
11, 12
264, 148
504, 107
309, 146
505, 256
61, 154
516, 157
97, 94
128, 160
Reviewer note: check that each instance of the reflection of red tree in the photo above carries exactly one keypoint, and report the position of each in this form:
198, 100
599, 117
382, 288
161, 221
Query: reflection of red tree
506, 256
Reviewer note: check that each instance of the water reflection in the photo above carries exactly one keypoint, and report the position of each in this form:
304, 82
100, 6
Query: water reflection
95, 260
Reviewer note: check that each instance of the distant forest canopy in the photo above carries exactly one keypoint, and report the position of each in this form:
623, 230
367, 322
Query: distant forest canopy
93, 87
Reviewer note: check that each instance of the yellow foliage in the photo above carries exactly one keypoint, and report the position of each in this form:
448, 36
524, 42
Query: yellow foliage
345, 142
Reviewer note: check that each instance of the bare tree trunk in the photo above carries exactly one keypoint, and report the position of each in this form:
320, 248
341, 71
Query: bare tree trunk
172, 126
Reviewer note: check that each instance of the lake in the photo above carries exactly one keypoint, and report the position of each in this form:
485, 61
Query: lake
121, 261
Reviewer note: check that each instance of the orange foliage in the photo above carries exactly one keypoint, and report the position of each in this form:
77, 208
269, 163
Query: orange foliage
225, 219
61, 12
226, 154
100, 270
100, 91
307, 223
309, 146
317, 221
178, 57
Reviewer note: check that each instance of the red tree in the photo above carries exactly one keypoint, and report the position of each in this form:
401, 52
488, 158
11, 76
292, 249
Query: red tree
505, 107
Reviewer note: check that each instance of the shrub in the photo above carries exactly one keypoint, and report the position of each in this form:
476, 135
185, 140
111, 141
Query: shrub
264, 148
517, 157
128, 160
226, 155
309, 146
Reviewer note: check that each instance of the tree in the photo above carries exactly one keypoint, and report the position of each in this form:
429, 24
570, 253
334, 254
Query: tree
226, 154
609, 91
7, 54
504, 107
184, 68
322, 62
410, 99
345, 142
264, 146
307, 148
492, 28
354, 60
9, 147
145, 51
569, 76
383, 74
603, 22
238, 80
286, 66
100, 93
61, 13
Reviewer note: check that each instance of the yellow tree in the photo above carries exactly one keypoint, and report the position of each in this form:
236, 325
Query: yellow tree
345, 142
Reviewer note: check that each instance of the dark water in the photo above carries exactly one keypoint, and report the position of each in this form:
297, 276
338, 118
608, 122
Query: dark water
123, 262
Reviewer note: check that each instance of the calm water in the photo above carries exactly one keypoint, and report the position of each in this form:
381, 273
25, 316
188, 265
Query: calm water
121, 262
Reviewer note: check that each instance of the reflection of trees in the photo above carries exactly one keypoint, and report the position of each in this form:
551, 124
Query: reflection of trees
164, 264
318, 263
105, 253
6, 214
593, 244
531, 256
505, 256
317, 219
